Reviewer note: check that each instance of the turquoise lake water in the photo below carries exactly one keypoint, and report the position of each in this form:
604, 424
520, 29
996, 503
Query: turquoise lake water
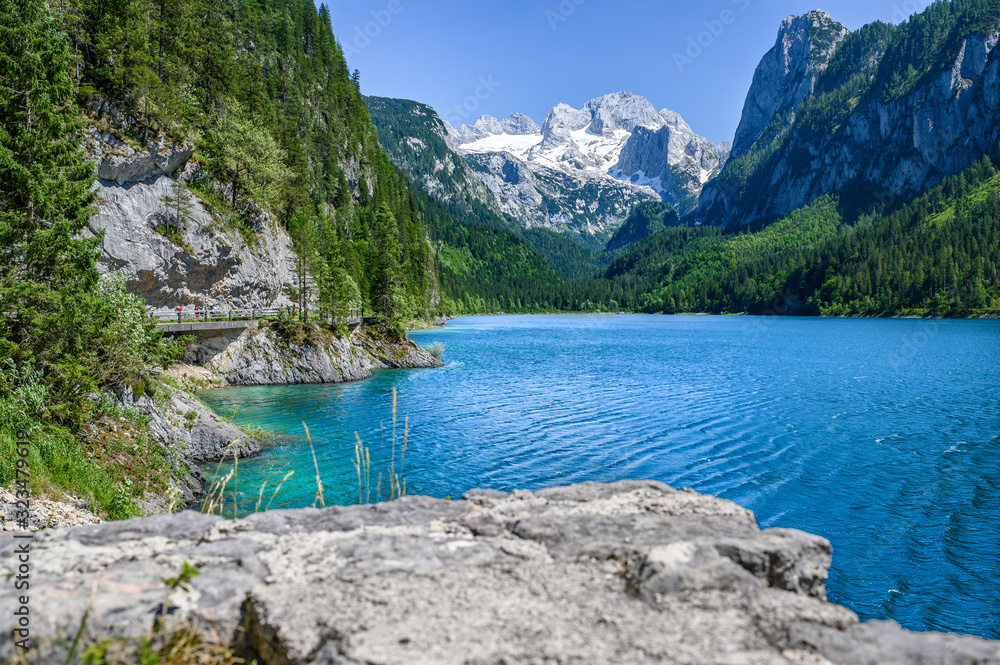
881, 435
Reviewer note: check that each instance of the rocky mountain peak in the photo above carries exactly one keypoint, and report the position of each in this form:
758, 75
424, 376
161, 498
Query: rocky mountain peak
485, 126
621, 111
518, 124
564, 115
787, 73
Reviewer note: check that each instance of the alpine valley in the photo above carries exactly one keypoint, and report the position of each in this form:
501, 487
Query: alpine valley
224, 157
861, 179
196, 194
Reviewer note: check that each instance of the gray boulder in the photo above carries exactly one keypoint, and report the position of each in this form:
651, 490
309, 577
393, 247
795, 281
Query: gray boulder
629, 572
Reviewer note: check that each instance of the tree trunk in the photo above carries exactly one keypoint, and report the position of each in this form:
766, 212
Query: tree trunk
159, 62
27, 125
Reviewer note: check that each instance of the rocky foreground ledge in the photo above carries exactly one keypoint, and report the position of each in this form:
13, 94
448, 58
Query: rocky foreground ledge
632, 572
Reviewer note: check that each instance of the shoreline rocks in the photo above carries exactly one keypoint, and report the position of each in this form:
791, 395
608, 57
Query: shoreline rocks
265, 358
627, 572
192, 434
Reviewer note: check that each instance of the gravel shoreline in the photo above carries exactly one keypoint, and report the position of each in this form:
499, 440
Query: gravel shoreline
45, 514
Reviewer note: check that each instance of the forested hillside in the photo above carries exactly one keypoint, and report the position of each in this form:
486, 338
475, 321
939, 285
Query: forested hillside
263, 90
937, 255
647, 219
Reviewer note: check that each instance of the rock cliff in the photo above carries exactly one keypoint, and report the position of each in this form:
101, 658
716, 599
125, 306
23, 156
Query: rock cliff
192, 435
210, 263
787, 74
876, 133
267, 357
630, 572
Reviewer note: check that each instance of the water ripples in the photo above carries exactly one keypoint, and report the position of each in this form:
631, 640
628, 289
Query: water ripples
811, 424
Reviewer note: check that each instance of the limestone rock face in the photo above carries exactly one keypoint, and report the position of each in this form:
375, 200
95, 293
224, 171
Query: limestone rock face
629, 572
119, 163
898, 147
679, 161
191, 429
620, 111
515, 124
264, 358
787, 73
214, 265
540, 196
519, 124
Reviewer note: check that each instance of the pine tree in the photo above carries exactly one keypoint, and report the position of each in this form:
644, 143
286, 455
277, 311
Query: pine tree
177, 206
47, 270
386, 250
252, 160
308, 268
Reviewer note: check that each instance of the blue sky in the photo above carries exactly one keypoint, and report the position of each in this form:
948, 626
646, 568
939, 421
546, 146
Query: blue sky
467, 58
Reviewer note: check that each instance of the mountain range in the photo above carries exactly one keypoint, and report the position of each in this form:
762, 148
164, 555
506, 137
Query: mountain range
580, 173
877, 116
618, 140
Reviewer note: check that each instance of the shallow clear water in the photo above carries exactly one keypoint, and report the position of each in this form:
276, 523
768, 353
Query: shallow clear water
880, 435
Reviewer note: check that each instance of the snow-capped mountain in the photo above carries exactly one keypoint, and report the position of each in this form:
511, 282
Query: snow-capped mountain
616, 143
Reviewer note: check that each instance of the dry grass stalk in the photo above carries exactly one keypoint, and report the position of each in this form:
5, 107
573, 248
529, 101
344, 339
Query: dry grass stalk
287, 476
320, 501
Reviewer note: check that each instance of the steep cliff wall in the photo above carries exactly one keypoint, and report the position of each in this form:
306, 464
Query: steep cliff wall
632, 572
209, 262
878, 118
787, 75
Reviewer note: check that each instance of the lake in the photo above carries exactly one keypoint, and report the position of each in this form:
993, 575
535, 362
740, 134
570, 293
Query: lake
880, 435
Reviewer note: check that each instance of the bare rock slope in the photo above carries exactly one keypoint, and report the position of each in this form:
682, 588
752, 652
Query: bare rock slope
265, 357
214, 264
632, 572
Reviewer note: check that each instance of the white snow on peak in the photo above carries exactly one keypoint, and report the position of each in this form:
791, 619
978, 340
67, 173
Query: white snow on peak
620, 136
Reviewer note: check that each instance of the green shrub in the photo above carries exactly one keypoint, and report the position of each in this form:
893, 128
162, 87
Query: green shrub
436, 350
23, 398
139, 388
60, 465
